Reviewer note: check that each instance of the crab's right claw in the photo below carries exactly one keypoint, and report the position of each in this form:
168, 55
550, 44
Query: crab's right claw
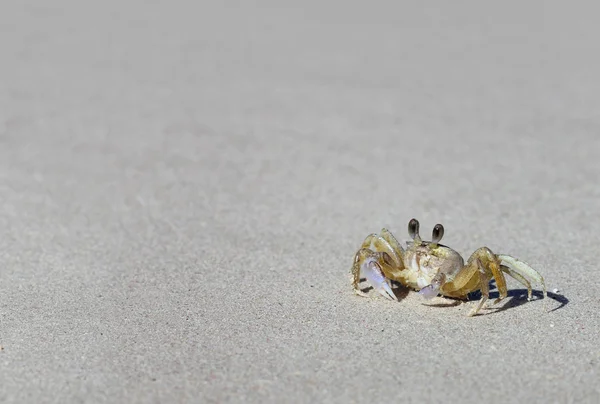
371, 270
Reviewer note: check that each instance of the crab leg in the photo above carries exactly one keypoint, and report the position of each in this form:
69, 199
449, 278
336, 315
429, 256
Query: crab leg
524, 270
519, 278
484, 285
476, 274
395, 250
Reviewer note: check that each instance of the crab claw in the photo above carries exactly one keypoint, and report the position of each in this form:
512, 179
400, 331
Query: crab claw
433, 289
429, 292
371, 270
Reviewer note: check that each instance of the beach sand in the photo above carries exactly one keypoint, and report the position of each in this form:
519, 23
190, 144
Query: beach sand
184, 186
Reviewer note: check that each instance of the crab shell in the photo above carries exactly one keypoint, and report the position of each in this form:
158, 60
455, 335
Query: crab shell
424, 262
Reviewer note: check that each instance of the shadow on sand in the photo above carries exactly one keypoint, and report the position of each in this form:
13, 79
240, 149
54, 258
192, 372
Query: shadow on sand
515, 298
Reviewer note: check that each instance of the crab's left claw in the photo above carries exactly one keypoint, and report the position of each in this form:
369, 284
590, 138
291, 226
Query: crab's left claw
371, 270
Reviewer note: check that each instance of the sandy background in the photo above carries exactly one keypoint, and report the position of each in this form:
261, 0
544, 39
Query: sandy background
183, 186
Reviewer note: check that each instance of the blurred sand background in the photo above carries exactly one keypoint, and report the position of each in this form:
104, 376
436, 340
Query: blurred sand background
184, 184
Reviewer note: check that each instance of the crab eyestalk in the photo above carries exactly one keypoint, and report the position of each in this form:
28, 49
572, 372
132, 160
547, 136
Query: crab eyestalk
413, 231
437, 234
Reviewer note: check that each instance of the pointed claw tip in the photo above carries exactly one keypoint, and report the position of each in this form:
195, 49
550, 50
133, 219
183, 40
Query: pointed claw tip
386, 291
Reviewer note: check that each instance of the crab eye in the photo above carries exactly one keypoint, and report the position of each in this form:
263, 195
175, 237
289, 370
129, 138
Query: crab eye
438, 233
413, 228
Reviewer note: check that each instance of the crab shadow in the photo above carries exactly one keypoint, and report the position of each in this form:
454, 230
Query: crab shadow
400, 291
447, 302
516, 298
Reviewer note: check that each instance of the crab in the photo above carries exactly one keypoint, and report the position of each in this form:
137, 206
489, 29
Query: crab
435, 269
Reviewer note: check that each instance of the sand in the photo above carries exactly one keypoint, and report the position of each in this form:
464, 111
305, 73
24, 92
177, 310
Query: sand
183, 186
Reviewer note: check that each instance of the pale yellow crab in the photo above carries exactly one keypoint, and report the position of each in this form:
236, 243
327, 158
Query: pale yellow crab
433, 268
